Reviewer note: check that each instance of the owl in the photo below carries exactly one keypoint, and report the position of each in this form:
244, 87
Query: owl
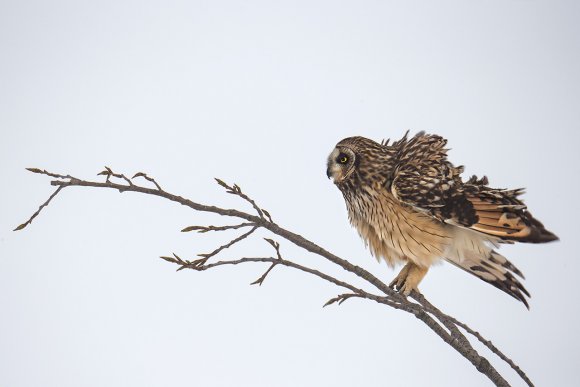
411, 206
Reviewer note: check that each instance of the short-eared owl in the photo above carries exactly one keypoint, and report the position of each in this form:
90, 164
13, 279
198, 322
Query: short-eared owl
410, 205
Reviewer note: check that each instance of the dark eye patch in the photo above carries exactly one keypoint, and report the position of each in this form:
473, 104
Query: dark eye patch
342, 158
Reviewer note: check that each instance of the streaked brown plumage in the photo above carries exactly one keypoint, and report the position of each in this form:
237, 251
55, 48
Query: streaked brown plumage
410, 205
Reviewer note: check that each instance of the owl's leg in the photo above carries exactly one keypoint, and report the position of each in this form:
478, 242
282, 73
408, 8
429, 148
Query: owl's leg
408, 278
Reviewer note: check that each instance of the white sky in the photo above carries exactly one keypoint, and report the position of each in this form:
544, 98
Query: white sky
258, 93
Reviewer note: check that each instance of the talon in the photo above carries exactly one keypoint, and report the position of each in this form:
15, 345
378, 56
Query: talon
406, 290
408, 279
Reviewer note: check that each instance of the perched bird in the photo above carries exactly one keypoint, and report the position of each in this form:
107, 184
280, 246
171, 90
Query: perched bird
410, 205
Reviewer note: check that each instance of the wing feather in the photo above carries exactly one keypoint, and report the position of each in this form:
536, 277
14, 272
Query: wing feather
424, 179
500, 213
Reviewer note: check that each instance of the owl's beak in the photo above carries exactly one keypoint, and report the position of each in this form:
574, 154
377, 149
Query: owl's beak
328, 174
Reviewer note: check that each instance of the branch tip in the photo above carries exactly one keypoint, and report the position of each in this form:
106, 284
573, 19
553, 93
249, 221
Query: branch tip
340, 299
34, 170
143, 175
272, 242
236, 190
190, 228
275, 245
40, 208
20, 227
260, 280
221, 183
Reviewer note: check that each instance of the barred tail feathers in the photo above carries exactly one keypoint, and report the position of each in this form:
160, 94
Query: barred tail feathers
473, 252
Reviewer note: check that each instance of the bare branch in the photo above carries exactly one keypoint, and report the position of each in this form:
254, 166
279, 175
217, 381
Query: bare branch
108, 172
204, 229
260, 280
276, 246
176, 259
445, 326
236, 190
144, 175
184, 264
20, 227
341, 298
45, 172
206, 256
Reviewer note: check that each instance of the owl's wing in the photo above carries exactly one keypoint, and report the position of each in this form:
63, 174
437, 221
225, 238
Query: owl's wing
502, 214
424, 179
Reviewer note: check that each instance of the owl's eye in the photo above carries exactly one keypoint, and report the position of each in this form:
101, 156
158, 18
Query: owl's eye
342, 158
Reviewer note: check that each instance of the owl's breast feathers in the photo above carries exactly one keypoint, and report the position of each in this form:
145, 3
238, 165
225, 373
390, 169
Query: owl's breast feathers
396, 232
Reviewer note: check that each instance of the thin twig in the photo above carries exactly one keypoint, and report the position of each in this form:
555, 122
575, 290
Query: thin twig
189, 265
108, 172
495, 350
144, 175
206, 256
45, 172
20, 227
236, 190
204, 229
341, 298
276, 246
260, 280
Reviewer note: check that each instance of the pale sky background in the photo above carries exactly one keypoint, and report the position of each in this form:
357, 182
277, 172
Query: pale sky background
258, 93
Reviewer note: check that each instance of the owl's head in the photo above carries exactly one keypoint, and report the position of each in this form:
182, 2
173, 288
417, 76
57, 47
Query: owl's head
353, 154
341, 163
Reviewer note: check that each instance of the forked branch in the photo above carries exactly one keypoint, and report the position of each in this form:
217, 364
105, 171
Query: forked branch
449, 329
